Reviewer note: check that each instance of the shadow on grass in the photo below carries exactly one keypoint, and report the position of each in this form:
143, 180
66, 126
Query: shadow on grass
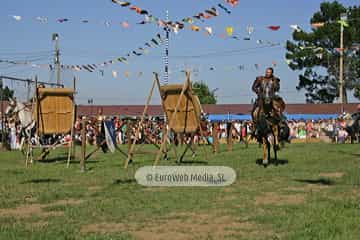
78, 162
192, 162
272, 162
41, 180
320, 181
348, 153
52, 160
123, 181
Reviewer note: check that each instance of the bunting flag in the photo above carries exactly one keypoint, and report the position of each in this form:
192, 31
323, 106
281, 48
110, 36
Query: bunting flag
17, 18
175, 26
125, 24
42, 19
195, 28
121, 3
250, 30
233, 3
274, 28
153, 43
62, 20
224, 8
230, 31
208, 30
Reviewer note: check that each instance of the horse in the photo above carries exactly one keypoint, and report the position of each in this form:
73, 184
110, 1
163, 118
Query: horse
27, 127
353, 126
267, 117
24, 115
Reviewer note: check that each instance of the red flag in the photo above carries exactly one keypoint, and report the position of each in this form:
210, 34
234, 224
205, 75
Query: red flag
233, 3
137, 9
274, 28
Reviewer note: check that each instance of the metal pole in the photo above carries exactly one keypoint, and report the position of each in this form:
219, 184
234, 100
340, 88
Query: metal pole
341, 67
341, 70
57, 57
166, 57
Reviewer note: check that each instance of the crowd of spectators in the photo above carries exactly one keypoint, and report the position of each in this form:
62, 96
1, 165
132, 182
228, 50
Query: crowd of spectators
330, 130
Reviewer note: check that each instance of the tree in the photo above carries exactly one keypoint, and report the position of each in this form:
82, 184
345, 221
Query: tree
317, 53
202, 90
5, 93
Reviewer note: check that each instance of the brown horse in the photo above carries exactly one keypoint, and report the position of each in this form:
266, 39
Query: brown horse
267, 117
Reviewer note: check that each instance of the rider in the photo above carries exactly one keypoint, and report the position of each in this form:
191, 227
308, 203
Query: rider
256, 87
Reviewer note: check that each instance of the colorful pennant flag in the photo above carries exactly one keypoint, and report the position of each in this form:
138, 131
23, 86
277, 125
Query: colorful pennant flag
274, 28
229, 31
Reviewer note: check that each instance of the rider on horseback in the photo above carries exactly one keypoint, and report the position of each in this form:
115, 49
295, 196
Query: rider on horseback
278, 103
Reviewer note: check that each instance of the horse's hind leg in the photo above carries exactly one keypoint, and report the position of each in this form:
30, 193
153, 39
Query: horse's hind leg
275, 129
275, 156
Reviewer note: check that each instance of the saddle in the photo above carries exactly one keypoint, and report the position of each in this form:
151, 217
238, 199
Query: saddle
278, 108
275, 116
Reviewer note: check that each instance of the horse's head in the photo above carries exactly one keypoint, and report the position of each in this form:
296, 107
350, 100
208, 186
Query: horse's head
11, 108
267, 92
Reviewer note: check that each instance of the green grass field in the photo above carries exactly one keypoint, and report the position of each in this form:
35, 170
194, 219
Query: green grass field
314, 194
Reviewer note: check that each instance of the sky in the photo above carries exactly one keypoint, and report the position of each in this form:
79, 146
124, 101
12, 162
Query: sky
211, 59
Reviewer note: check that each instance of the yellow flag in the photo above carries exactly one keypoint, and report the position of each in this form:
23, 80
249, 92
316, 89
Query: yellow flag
195, 28
230, 31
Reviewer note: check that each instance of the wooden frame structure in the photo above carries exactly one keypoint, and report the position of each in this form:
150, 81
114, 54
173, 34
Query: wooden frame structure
182, 110
54, 112
84, 155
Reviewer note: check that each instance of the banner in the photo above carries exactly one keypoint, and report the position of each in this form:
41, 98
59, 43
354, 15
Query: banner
110, 135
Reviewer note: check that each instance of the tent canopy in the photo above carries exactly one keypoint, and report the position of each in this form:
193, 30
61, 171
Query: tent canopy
247, 117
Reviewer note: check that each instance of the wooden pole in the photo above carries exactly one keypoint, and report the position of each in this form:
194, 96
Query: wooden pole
72, 145
128, 134
229, 137
83, 145
215, 137
172, 120
131, 147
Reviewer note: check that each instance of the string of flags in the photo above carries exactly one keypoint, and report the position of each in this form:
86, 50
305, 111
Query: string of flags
175, 26
197, 70
155, 42
46, 20
143, 50
229, 33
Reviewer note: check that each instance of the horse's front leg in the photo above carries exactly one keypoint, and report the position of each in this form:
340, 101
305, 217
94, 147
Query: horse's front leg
265, 152
275, 129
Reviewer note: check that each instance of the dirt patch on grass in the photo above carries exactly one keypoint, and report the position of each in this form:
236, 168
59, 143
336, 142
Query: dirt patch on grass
40, 224
104, 228
332, 175
30, 210
66, 202
95, 188
308, 188
276, 199
183, 226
